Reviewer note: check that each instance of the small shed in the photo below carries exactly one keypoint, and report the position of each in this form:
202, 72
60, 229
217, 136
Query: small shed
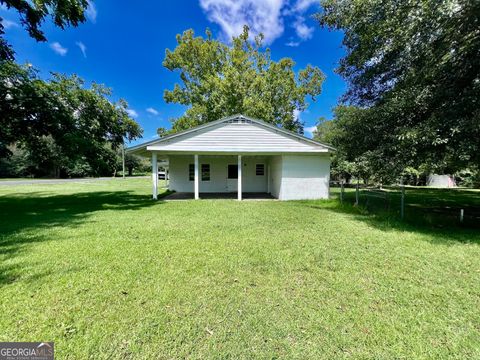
441, 181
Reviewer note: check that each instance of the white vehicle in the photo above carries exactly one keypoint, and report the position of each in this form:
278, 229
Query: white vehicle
162, 175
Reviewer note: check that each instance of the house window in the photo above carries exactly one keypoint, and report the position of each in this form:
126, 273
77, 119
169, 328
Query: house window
205, 172
232, 171
191, 172
260, 169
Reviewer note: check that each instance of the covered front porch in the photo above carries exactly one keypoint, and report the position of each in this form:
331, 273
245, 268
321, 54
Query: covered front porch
211, 176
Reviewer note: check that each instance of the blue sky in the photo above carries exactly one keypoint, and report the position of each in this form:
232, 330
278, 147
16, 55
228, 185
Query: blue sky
122, 45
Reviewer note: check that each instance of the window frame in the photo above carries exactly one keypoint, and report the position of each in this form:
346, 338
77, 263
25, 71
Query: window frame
236, 171
191, 172
262, 167
203, 172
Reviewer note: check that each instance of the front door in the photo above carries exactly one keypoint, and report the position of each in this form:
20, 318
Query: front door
232, 178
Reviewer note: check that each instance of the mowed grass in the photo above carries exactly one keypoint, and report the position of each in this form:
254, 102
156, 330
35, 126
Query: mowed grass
105, 272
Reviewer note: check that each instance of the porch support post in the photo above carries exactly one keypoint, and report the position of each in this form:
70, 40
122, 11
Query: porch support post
196, 178
239, 186
154, 175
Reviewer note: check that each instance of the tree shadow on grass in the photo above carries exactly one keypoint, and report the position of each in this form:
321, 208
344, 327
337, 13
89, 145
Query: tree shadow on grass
444, 234
20, 213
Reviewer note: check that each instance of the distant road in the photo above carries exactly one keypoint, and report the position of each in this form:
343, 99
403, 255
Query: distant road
54, 181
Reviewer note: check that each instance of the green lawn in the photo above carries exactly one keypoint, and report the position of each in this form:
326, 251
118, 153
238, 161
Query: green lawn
105, 272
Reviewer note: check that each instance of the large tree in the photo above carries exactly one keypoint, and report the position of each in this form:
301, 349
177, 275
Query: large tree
413, 67
220, 80
61, 119
32, 13
358, 154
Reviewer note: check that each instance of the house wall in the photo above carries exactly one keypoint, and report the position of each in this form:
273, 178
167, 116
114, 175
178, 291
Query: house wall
304, 177
179, 177
292, 177
250, 181
275, 175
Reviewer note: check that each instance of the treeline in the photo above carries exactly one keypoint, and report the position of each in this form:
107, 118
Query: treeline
23, 163
351, 132
412, 105
59, 127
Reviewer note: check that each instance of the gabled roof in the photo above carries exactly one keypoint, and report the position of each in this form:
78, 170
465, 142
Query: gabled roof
230, 119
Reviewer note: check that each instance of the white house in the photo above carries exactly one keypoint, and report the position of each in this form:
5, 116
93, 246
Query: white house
241, 155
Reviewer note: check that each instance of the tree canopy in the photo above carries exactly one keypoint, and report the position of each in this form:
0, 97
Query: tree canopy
61, 119
218, 80
357, 152
413, 70
63, 12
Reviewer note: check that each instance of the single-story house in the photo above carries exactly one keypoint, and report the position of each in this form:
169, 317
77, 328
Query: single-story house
238, 154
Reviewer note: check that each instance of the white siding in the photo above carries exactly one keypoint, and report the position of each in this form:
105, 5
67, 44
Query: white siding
292, 177
305, 177
276, 175
251, 181
218, 173
237, 137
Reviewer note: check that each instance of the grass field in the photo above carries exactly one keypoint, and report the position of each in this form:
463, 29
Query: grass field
105, 272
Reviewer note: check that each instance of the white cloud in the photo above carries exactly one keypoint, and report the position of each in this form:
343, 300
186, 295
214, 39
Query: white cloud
8, 24
91, 11
262, 16
82, 47
59, 49
310, 129
302, 5
296, 114
153, 111
292, 43
132, 113
303, 31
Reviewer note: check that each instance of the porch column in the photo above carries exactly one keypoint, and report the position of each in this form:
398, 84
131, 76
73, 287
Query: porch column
154, 175
239, 186
196, 178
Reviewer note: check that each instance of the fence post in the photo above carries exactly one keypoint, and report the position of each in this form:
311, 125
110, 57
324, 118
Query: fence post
402, 204
341, 191
357, 195
461, 215
123, 160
